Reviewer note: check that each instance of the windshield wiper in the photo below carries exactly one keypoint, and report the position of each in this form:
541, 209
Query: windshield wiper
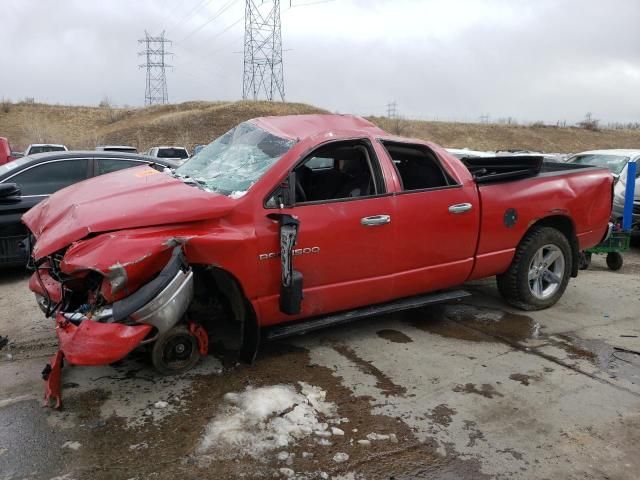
189, 179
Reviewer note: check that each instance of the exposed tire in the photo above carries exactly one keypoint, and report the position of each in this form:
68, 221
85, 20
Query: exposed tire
614, 261
539, 272
176, 351
585, 260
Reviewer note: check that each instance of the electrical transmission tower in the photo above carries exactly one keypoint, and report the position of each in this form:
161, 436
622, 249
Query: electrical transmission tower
392, 109
263, 72
154, 53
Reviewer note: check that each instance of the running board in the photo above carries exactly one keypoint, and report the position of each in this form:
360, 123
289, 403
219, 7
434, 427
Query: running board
300, 327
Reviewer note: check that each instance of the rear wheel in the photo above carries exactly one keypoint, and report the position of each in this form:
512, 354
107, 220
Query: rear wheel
176, 351
539, 272
614, 260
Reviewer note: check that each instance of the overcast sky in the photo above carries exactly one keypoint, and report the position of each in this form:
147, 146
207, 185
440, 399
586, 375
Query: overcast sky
439, 59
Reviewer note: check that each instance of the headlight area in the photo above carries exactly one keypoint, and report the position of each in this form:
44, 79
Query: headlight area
93, 332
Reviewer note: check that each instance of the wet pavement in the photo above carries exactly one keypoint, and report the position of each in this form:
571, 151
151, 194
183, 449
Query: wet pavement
471, 390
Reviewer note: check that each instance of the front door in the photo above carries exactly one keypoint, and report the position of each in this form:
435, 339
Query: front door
344, 245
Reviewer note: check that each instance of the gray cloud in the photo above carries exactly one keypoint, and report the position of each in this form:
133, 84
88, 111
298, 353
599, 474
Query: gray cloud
545, 60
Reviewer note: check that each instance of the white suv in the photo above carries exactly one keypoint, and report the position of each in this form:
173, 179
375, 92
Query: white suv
178, 154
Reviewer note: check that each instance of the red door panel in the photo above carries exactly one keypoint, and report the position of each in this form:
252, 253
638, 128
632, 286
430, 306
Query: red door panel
345, 263
435, 246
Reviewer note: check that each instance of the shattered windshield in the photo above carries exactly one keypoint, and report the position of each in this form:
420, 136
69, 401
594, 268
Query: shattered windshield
236, 160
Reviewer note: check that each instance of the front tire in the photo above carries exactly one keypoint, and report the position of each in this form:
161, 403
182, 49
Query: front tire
176, 351
539, 272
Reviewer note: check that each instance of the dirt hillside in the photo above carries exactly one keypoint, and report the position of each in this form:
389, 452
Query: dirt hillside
193, 123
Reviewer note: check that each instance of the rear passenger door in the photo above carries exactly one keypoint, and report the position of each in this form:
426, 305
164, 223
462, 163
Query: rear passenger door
436, 222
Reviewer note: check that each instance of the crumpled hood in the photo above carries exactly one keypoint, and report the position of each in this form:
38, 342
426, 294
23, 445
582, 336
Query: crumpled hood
131, 198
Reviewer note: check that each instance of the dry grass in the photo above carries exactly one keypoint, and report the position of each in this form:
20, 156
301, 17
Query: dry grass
194, 123
500, 137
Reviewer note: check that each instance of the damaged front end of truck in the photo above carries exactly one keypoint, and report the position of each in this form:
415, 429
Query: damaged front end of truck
114, 279
98, 321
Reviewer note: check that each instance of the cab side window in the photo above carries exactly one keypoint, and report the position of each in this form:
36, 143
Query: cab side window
47, 178
340, 170
418, 166
108, 165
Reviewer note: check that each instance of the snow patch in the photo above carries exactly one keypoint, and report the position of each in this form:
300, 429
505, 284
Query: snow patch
138, 446
238, 194
258, 420
340, 457
72, 445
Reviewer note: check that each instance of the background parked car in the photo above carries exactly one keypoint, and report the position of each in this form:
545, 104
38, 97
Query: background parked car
616, 161
178, 154
466, 153
38, 176
44, 147
117, 148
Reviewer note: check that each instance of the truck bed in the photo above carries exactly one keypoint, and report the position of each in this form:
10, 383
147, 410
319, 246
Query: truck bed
506, 168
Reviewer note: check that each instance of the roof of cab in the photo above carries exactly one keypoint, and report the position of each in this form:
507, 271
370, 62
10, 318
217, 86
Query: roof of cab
302, 126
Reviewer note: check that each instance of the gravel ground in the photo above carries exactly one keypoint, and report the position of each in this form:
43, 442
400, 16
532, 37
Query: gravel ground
471, 390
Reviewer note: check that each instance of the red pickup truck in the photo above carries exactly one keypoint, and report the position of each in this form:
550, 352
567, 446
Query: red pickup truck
287, 224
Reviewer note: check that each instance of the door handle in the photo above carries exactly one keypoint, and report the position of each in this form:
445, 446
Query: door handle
460, 208
375, 220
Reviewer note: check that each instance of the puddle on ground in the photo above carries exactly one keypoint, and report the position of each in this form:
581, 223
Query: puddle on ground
617, 363
394, 336
477, 324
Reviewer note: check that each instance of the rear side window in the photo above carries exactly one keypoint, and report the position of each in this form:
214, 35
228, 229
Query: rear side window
418, 166
45, 148
108, 165
172, 153
47, 178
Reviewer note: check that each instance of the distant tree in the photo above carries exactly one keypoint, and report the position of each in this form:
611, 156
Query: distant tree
5, 105
589, 123
105, 102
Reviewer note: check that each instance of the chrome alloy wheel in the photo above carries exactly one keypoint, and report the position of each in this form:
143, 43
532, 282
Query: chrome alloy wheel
546, 270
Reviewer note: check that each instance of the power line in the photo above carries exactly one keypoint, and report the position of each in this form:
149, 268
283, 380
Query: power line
222, 9
263, 71
154, 53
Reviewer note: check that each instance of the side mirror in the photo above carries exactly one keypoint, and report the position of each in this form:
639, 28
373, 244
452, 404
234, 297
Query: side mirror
9, 192
287, 192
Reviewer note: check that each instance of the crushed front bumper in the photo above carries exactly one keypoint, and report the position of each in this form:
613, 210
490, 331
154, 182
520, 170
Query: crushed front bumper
110, 333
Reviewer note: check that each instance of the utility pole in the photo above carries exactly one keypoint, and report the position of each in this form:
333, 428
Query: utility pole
263, 71
154, 54
392, 109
